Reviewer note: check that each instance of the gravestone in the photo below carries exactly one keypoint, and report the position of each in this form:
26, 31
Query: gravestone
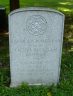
35, 41
2, 17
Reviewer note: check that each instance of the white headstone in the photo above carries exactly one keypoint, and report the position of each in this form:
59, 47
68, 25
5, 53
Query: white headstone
35, 41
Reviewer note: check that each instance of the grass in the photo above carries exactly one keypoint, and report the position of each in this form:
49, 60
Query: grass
66, 6
65, 86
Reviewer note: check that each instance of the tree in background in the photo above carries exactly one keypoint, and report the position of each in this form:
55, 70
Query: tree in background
14, 4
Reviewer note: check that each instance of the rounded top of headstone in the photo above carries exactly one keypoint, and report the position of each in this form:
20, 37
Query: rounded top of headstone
35, 9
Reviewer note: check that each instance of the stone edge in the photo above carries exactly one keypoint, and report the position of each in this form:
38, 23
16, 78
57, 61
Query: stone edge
35, 9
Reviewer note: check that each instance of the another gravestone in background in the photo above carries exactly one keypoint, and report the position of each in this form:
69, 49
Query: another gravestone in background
35, 41
2, 17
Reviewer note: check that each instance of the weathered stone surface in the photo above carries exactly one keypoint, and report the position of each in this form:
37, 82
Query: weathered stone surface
35, 41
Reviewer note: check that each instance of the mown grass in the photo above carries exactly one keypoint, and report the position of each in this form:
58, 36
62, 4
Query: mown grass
65, 6
65, 86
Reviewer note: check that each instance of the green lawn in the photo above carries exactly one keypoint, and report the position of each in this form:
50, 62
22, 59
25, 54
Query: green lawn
62, 5
65, 86
65, 6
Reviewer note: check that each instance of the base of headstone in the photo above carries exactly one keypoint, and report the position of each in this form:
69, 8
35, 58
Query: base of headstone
39, 84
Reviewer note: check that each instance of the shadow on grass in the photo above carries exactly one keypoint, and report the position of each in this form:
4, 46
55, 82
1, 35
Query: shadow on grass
68, 33
64, 6
4, 47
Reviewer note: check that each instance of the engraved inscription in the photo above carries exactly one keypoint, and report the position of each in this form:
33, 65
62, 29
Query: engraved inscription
36, 25
35, 41
37, 48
